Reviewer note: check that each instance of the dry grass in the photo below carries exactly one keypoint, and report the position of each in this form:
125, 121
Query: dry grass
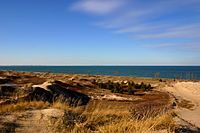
67, 107
22, 106
102, 118
127, 125
102, 121
59, 105
139, 126
109, 120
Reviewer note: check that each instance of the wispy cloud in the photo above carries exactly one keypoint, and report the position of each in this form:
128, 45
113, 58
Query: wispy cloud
144, 27
160, 45
100, 7
150, 21
183, 46
177, 31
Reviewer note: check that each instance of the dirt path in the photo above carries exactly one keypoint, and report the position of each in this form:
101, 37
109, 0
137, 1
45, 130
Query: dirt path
32, 121
187, 91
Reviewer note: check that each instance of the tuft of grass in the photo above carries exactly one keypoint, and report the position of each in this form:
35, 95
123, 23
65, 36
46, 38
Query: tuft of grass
59, 105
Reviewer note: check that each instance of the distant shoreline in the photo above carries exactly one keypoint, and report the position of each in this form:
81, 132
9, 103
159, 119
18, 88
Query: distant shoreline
172, 72
99, 76
103, 65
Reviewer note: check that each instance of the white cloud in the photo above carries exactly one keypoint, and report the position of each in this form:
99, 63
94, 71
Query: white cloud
100, 7
149, 21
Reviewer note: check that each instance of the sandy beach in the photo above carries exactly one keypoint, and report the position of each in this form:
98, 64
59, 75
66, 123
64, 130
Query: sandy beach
189, 91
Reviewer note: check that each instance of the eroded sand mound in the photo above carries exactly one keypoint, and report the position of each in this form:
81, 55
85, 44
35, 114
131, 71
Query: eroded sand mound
55, 90
187, 90
49, 91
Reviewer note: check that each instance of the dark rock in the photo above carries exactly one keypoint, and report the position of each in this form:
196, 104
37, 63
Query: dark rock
174, 105
186, 129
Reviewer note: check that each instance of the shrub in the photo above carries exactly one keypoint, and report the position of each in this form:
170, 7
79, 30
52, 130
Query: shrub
109, 85
142, 86
148, 87
94, 82
137, 86
131, 91
101, 85
117, 91
117, 86
121, 88
131, 85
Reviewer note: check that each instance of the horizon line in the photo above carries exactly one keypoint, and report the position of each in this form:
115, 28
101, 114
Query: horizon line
100, 65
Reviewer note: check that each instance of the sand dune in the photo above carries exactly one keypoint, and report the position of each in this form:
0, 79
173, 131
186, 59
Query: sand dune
188, 91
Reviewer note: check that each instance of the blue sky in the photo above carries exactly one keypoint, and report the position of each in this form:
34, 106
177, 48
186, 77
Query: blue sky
99, 32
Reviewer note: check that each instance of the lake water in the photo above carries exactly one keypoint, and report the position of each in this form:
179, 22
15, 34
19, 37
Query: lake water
180, 72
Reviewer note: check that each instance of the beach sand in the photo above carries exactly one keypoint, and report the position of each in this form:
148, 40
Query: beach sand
189, 91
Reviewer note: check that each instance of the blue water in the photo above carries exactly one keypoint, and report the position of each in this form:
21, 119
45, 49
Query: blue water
180, 72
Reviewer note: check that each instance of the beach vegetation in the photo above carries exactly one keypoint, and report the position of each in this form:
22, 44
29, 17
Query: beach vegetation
23, 105
131, 91
99, 120
129, 87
